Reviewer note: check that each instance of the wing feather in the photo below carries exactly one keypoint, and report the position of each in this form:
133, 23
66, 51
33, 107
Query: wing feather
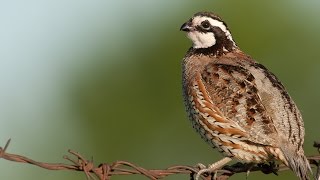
231, 94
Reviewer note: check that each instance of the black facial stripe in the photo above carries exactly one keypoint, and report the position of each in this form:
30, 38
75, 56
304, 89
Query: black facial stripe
202, 30
219, 34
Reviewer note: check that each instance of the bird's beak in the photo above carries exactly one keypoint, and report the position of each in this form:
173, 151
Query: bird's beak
186, 27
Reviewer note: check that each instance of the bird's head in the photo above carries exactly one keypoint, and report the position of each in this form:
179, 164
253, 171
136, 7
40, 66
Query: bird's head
207, 30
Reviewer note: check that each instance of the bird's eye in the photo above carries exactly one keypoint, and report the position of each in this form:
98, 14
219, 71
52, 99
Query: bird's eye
205, 24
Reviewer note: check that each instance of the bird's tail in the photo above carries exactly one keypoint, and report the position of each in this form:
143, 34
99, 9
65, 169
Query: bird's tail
297, 162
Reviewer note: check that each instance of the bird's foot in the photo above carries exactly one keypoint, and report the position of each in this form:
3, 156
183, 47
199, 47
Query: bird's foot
204, 169
211, 168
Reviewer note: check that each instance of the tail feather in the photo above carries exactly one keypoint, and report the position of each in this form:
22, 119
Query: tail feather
297, 162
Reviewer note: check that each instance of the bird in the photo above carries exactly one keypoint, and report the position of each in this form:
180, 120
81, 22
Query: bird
236, 104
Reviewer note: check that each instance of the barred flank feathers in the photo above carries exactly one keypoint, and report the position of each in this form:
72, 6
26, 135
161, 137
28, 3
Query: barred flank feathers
297, 162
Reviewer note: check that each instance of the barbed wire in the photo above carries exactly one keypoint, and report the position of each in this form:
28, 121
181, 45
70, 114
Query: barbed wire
105, 171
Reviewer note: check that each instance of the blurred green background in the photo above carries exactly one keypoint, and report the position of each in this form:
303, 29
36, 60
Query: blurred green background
104, 77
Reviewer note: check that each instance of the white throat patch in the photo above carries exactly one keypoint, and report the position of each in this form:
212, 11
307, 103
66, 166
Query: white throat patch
205, 40
201, 40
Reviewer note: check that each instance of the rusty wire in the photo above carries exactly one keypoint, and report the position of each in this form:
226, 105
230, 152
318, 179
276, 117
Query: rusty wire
105, 171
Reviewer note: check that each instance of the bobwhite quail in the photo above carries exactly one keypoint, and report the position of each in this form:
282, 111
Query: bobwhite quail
236, 104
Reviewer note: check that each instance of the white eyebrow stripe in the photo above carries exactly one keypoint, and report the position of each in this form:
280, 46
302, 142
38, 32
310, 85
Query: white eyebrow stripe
213, 22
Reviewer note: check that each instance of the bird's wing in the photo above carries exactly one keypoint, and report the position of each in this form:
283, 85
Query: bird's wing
227, 99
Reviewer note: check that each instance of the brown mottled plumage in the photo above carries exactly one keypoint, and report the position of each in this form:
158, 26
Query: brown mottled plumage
235, 103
